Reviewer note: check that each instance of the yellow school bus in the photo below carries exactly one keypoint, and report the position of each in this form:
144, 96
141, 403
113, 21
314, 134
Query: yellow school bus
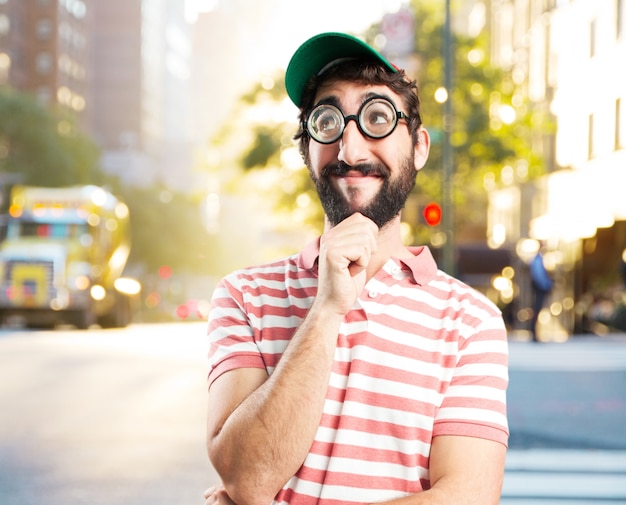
63, 258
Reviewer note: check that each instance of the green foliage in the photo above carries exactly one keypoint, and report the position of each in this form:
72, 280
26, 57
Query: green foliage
482, 143
167, 229
271, 88
41, 146
256, 139
266, 144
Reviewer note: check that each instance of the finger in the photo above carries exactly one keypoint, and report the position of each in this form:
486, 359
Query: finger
366, 229
209, 492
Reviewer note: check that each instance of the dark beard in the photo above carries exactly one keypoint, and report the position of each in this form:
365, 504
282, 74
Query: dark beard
386, 205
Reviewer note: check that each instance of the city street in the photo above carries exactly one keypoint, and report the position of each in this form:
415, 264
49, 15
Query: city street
104, 417
116, 417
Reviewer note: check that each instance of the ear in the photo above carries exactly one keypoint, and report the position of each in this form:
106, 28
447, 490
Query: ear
422, 148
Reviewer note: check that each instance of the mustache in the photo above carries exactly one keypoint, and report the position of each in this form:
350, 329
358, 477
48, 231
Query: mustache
340, 169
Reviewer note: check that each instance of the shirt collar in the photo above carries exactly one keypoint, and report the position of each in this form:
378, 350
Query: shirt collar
422, 265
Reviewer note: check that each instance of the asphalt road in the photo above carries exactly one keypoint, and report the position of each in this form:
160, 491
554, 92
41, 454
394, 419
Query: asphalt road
104, 417
117, 417
568, 396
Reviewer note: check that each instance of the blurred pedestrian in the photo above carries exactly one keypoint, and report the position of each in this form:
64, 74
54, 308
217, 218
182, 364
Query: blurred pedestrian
542, 285
623, 267
356, 371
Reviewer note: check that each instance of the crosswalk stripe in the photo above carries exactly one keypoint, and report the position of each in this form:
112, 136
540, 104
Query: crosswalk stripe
566, 460
564, 485
559, 501
551, 477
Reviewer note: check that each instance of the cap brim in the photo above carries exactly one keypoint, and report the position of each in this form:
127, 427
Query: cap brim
319, 51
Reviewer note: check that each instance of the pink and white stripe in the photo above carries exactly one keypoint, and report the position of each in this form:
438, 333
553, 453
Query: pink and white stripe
419, 355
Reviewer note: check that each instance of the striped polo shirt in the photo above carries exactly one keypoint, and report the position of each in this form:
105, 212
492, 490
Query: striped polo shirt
420, 354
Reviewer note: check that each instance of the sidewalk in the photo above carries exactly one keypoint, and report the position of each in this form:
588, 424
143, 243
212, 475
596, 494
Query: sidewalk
560, 337
578, 353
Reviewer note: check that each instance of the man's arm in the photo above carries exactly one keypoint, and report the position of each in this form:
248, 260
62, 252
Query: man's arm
260, 428
463, 471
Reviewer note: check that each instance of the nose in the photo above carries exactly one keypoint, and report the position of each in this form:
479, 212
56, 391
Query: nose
353, 145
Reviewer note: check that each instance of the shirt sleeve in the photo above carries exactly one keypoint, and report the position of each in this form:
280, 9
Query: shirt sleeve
231, 336
475, 401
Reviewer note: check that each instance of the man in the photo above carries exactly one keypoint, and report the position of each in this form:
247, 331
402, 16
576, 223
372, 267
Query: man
542, 285
355, 371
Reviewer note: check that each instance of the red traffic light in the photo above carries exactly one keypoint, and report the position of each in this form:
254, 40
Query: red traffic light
432, 214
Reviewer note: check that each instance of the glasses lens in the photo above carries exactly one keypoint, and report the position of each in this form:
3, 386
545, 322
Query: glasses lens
325, 124
378, 118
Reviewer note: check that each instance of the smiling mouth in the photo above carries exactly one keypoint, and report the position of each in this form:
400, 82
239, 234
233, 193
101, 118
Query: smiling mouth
358, 174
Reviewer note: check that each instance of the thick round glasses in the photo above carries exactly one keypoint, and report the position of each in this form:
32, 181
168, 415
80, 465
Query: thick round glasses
377, 118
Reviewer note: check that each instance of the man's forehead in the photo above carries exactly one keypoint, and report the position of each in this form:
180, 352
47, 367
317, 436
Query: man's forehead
347, 93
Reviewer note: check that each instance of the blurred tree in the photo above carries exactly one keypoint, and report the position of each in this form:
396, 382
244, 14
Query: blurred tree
259, 138
492, 132
266, 144
43, 146
167, 230
493, 124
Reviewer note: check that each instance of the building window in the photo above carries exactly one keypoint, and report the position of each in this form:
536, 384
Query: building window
44, 29
549, 5
77, 8
44, 95
43, 63
592, 38
618, 124
590, 138
5, 66
5, 24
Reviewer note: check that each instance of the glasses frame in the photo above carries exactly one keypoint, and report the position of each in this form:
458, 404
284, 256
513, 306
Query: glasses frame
356, 117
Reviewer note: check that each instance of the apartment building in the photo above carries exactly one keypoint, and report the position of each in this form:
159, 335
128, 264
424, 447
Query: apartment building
122, 66
45, 50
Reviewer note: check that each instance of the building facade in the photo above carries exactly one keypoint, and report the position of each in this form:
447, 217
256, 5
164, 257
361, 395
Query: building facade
123, 67
566, 57
141, 79
45, 49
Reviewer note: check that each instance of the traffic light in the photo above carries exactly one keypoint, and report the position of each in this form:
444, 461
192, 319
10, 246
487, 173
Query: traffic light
432, 214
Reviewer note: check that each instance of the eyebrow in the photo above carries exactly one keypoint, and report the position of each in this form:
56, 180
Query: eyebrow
371, 94
333, 100
329, 100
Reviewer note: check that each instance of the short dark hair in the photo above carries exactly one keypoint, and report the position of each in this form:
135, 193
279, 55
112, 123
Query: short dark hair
361, 72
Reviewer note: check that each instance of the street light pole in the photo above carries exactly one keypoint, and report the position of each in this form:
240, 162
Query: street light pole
448, 263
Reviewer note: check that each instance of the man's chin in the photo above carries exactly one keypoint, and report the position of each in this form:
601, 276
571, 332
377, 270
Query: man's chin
354, 208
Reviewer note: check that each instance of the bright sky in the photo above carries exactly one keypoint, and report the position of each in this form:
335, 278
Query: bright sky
282, 25
355, 14
259, 37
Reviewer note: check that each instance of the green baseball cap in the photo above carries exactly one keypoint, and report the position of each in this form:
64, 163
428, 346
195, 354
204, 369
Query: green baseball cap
317, 53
